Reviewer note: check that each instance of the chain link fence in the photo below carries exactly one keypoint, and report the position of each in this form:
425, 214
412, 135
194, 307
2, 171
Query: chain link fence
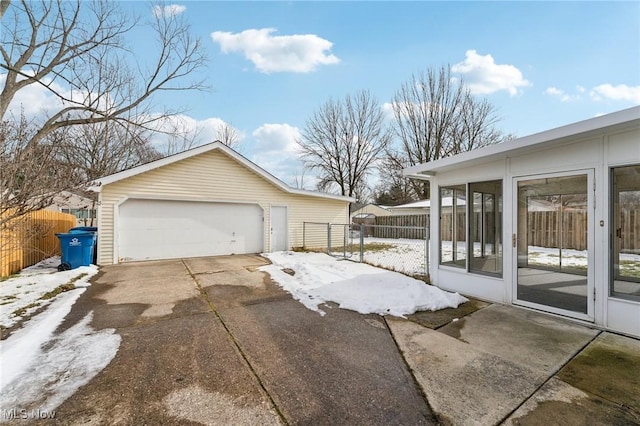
403, 249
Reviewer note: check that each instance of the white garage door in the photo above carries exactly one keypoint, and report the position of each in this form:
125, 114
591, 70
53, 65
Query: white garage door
159, 229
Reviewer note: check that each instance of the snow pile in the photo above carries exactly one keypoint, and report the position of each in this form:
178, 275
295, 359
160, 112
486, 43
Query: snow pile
320, 278
38, 368
24, 291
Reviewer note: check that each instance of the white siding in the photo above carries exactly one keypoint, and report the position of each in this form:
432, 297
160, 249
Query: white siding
597, 153
214, 176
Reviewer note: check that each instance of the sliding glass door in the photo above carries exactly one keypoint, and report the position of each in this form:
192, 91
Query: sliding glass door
554, 224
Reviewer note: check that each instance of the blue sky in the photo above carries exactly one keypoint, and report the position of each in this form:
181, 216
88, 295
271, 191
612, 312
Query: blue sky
542, 64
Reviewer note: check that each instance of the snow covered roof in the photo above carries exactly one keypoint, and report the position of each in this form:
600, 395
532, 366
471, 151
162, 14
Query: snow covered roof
412, 205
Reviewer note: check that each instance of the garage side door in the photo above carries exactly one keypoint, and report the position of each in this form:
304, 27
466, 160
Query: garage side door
159, 229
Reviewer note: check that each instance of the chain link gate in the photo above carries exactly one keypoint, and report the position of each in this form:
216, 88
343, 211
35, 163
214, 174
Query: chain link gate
404, 249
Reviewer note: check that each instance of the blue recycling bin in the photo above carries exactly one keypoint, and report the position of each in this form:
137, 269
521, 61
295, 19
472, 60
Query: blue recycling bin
83, 229
76, 249
93, 229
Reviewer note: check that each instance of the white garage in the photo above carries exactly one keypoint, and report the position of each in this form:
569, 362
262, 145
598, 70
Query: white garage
206, 201
167, 229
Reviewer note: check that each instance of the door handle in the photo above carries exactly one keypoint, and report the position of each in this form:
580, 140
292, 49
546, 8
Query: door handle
619, 232
514, 240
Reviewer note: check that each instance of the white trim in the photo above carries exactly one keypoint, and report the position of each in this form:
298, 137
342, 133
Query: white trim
193, 199
597, 126
100, 183
114, 237
591, 230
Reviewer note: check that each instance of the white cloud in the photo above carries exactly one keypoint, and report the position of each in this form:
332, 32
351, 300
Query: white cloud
387, 111
183, 132
621, 92
404, 108
483, 76
277, 151
169, 10
277, 138
37, 101
270, 53
554, 91
561, 94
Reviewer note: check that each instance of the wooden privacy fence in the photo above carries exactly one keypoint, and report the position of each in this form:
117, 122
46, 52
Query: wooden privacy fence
390, 226
557, 229
28, 239
629, 233
566, 229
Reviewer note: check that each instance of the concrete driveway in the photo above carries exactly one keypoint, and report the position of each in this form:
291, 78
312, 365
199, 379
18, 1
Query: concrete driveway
214, 341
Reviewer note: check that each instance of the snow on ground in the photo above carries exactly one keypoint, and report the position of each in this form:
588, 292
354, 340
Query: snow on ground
629, 263
21, 294
408, 256
405, 255
38, 368
320, 278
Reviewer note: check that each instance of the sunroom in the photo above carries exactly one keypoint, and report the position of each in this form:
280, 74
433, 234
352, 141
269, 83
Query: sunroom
549, 221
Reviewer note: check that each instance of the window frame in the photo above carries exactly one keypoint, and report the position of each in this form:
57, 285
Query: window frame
468, 211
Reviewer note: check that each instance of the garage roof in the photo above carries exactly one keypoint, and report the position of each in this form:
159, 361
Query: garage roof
562, 135
100, 183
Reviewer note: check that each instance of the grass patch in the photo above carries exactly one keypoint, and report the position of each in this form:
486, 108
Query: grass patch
20, 311
62, 288
374, 247
56, 291
8, 299
370, 247
8, 277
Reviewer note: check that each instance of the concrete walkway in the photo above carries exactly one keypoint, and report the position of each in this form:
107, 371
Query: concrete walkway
213, 341
492, 364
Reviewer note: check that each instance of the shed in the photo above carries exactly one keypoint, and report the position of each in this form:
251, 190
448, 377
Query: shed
549, 222
415, 207
206, 201
369, 210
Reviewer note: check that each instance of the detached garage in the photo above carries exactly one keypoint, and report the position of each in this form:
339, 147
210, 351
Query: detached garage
204, 202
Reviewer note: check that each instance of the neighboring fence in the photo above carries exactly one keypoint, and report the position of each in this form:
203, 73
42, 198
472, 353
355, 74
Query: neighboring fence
554, 229
557, 229
405, 226
629, 233
357, 242
28, 239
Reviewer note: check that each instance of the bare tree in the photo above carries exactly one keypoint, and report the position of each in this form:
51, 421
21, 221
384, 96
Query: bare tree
101, 149
298, 179
436, 116
228, 135
393, 188
4, 4
77, 52
343, 140
178, 133
26, 169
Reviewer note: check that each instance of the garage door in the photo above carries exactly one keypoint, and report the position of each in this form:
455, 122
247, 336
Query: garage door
159, 229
